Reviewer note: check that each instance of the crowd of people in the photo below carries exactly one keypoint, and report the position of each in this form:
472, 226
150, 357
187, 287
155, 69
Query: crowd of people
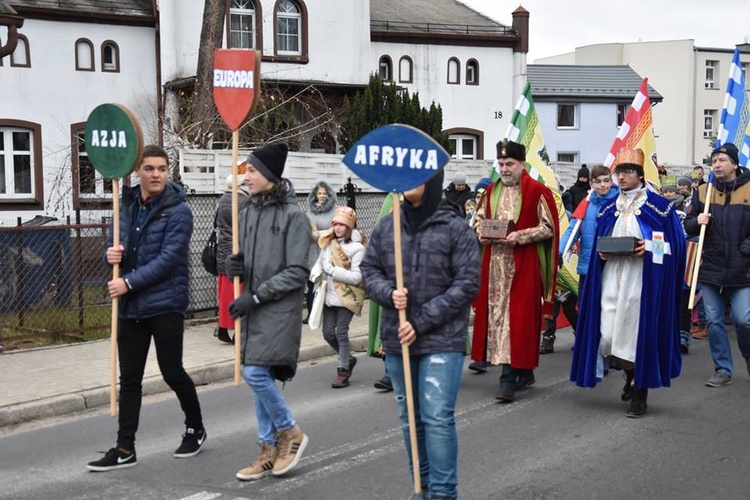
495, 250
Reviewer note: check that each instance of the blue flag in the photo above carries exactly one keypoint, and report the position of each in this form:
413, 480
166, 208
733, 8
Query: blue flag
735, 117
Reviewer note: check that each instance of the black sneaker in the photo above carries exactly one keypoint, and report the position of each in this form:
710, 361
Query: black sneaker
384, 384
548, 344
192, 442
506, 394
352, 364
525, 380
115, 458
478, 366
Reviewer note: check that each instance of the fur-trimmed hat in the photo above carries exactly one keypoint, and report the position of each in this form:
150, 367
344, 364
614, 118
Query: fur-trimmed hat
270, 160
346, 216
730, 150
510, 149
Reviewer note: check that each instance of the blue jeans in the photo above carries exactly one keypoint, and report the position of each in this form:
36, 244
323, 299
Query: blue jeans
715, 299
435, 380
270, 408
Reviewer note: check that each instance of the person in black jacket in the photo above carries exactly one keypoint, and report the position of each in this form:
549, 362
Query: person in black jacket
724, 274
441, 278
155, 229
458, 192
581, 188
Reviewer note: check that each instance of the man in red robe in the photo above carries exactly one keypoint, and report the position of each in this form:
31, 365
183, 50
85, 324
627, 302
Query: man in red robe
518, 271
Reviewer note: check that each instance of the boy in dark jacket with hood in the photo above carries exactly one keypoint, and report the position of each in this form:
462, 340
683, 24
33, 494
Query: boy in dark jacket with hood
274, 241
441, 278
155, 229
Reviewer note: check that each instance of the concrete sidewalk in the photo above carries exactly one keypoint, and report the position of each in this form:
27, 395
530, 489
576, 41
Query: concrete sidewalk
57, 380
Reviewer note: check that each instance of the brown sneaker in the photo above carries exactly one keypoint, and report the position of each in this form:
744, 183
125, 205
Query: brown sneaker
261, 466
699, 332
291, 443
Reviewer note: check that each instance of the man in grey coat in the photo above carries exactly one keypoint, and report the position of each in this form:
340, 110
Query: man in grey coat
274, 239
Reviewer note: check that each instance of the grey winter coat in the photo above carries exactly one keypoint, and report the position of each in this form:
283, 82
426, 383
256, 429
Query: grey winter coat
441, 272
275, 239
224, 225
320, 216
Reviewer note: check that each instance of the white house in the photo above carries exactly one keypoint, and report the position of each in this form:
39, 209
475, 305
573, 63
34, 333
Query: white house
72, 56
691, 79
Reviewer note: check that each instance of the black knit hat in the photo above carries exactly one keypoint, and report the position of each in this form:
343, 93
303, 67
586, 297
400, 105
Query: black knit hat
730, 150
270, 160
510, 149
583, 172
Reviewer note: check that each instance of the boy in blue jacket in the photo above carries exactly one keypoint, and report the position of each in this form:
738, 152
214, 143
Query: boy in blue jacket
441, 278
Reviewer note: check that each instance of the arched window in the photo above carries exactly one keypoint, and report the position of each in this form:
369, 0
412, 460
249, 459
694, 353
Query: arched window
110, 57
472, 72
385, 68
244, 25
21, 177
84, 55
454, 71
466, 143
291, 28
21, 57
405, 67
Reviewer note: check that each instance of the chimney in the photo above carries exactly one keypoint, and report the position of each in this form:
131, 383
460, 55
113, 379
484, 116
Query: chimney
521, 27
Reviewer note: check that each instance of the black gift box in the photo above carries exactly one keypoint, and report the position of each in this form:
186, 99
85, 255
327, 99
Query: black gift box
617, 245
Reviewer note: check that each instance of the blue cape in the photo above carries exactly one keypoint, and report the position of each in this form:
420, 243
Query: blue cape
658, 357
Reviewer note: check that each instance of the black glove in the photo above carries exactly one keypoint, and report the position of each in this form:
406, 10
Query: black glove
242, 305
234, 265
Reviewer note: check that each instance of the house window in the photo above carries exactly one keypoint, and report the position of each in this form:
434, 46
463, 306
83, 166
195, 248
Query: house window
464, 146
242, 24
84, 55
744, 72
712, 68
88, 184
622, 112
709, 119
566, 116
472, 72
288, 28
454, 71
385, 68
567, 157
110, 57
21, 57
20, 164
405, 67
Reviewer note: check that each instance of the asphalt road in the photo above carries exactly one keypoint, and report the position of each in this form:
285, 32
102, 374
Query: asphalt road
556, 441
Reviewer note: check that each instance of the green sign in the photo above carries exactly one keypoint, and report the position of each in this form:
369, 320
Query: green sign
113, 140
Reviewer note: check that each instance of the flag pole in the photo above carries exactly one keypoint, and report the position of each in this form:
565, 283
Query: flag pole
405, 347
236, 250
701, 239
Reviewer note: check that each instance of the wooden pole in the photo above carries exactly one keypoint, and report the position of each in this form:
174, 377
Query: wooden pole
236, 250
115, 301
701, 239
404, 347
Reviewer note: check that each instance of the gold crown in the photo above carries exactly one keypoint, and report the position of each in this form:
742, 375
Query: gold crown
632, 156
346, 216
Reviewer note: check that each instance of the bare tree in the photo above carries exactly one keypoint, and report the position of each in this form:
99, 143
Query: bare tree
204, 109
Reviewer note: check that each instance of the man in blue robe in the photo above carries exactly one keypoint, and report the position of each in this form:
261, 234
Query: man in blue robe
630, 304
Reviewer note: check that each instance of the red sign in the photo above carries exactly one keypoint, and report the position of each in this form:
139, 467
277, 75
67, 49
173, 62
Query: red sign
236, 84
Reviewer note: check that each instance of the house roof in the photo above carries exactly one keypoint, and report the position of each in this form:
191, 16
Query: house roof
587, 83
432, 16
135, 8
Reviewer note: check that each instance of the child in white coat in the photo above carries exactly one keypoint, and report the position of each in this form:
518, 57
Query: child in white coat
341, 253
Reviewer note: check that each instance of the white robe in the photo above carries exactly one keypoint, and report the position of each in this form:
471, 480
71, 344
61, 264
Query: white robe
622, 281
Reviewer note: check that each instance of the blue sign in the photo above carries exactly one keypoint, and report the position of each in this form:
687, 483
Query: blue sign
396, 158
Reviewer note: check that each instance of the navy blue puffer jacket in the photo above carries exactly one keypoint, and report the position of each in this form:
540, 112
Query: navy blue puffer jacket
156, 265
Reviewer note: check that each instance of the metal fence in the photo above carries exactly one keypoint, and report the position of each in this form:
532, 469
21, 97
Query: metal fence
53, 277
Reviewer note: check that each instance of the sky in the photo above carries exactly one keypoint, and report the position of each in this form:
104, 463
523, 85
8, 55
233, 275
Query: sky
559, 26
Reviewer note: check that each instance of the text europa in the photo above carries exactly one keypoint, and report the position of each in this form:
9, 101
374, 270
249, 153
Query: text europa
388, 156
227, 78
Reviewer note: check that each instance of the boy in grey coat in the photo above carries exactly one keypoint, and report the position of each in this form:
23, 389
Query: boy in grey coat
274, 239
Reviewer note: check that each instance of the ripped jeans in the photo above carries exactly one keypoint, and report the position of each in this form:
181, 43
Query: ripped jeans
435, 380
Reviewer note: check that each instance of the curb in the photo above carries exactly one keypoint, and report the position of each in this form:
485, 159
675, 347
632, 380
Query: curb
99, 396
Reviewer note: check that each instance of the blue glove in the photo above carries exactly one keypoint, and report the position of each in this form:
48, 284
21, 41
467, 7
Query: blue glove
243, 305
234, 265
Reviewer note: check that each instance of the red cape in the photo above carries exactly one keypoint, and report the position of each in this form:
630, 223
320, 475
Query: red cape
534, 279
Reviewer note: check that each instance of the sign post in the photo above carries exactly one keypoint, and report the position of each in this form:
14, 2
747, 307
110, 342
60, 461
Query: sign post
397, 158
114, 143
236, 91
